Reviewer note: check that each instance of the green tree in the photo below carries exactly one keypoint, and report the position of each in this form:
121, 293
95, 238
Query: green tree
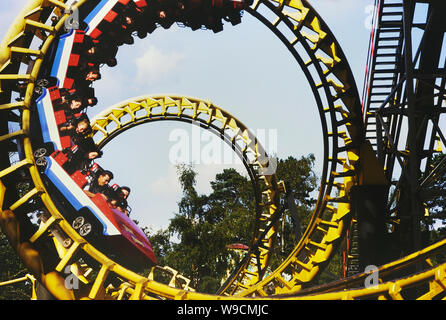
12, 268
301, 182
435, 220
206, 224
436, 194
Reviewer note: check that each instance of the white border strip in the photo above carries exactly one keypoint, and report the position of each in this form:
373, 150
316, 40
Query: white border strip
76, 192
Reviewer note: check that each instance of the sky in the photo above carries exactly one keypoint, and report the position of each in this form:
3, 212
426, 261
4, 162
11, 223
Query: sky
245, 70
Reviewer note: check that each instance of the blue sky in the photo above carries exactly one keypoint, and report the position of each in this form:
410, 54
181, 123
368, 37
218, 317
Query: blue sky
245, 69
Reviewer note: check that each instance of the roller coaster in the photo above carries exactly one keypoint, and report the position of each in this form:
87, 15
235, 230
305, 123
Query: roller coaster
378, 164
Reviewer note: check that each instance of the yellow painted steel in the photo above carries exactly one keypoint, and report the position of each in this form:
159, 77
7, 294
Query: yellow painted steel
393, 290
28, 19
146, 109
16, 29
346, 167
328, 222
176, 280
27, 277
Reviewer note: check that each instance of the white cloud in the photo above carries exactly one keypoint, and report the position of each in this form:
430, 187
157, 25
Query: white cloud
156, 65
167, 185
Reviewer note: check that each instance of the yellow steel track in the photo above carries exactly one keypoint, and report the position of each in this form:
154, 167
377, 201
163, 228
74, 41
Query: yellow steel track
348, 161
259, 166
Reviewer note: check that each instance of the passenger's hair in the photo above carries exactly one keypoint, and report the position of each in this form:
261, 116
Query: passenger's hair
112, 62
94, 101
94, 69
75, 96
82, 118
106, 172
125, 188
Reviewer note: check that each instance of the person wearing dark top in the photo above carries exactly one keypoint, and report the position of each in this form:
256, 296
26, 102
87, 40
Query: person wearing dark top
118, 198
77, 128
99, 184
71, 104
84, 77
81, 156
90, 101
122, 204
